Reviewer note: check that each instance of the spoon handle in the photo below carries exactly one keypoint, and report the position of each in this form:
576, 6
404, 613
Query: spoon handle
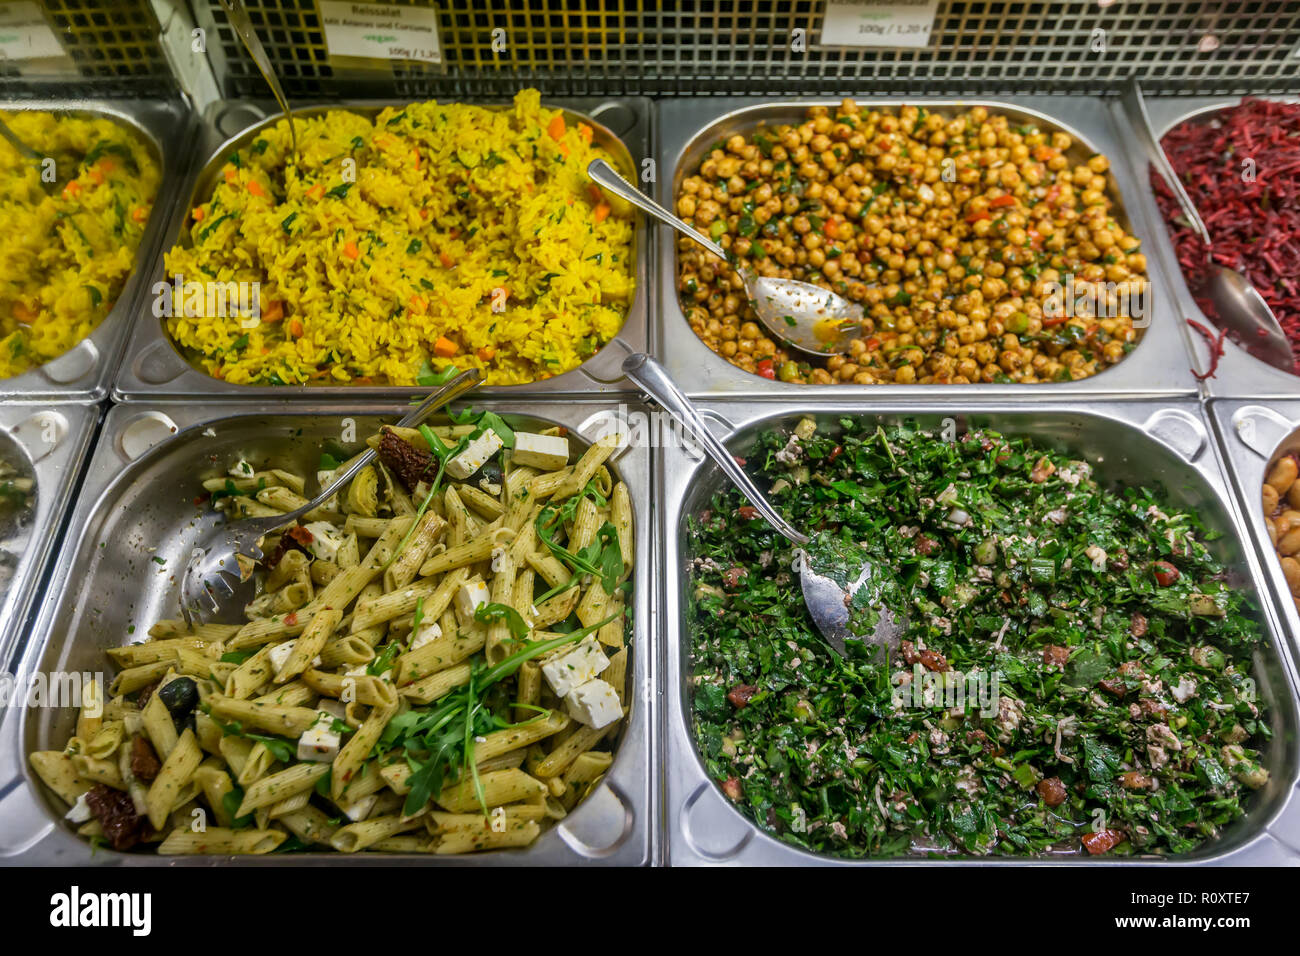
651, 377
17, 143
237, 14
606, 177
443, 396
1136, 108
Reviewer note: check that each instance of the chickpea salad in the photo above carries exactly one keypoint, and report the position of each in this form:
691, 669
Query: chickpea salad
1104, 652
949, 230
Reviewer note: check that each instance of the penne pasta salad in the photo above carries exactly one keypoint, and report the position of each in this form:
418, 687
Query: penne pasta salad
435, 661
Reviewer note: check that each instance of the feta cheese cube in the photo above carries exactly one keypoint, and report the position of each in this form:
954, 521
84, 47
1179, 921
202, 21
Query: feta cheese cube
595, 704
335, 708
358, 810
241, 469
571, 668
80, 812
547, 452
319, 743
469, 598
475, 455
427, 633
279, 654
326, 540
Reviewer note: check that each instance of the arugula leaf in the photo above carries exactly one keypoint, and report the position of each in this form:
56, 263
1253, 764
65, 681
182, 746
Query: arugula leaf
383, 661
492, 612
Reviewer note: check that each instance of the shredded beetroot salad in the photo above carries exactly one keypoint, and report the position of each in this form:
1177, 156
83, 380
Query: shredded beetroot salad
1253, 220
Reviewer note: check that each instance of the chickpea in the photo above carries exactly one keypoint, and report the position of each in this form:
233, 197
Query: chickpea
934, 241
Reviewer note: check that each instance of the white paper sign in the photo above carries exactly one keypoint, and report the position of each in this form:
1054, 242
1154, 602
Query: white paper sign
24, 34
376, 31
871, 23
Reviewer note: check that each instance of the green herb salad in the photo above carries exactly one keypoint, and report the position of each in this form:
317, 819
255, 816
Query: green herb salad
1075, 673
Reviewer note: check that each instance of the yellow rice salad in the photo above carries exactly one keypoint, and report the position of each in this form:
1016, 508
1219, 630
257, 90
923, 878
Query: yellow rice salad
433, 235
69, 243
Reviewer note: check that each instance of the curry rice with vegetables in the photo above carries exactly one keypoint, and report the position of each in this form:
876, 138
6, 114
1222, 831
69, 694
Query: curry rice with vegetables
1122, 719
948, 230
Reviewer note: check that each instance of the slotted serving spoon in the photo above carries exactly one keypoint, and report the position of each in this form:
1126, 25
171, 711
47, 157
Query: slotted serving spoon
212, 576
237, 14
811, 319
1240, 307
829, 577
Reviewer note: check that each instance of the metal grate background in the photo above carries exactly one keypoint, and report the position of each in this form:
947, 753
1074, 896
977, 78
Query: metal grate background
610, 47
113, 46
720, 47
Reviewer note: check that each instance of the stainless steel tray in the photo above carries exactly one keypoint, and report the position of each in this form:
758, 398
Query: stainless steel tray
1253, 436
1159, 365
1240, 374
153, 368
85, 372
1127, 442
49, 443
138, 496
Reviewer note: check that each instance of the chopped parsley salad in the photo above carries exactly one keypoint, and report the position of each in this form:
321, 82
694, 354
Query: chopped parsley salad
1124, 720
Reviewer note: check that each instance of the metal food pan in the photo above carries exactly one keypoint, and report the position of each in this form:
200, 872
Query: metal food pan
49, 444
1253, 438
85, 371
1240, 374
119, 571
689, 128
1128, 442
153, 367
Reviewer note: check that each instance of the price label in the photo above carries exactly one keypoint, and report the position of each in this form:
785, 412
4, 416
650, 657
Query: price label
374, 31
24, 34
903, 23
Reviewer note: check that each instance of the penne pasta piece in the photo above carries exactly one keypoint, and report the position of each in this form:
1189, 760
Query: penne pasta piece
220, 841
521, 833
498, 787
174, 775
309, 644
273, 788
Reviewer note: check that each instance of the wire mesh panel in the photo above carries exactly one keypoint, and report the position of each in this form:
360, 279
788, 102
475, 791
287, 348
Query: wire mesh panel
113, 44
635, 47
612, 47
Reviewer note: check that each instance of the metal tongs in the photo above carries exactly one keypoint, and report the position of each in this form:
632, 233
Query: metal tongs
238, 16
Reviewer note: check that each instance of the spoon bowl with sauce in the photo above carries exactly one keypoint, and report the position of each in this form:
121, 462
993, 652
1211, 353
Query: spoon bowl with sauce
841, 587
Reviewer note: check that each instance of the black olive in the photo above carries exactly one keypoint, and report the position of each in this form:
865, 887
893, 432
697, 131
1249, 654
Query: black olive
180, 696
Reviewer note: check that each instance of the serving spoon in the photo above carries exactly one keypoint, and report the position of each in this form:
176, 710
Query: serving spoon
213, 578
828, 585
811, 319
1240, 307
12, 138
237, 14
